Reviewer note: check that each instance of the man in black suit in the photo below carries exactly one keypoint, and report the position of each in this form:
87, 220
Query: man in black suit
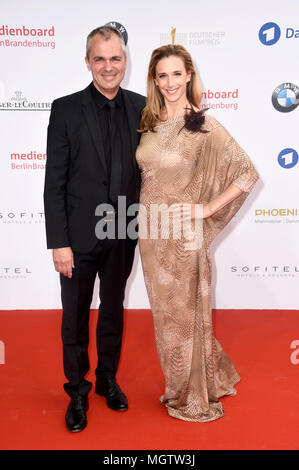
92, 138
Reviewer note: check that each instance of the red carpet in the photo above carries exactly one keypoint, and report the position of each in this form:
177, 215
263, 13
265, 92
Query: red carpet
263, 415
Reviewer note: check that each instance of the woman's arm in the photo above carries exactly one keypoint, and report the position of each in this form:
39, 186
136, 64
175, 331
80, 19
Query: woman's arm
231, 193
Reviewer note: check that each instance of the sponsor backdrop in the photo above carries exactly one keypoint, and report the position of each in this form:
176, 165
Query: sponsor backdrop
245, 53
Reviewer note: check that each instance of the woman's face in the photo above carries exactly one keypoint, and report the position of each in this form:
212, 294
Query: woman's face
172, 78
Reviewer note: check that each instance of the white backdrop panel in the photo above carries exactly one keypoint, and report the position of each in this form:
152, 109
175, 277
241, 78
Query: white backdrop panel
256, 258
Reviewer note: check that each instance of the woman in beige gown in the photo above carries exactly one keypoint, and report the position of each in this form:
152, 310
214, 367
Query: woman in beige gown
187, 157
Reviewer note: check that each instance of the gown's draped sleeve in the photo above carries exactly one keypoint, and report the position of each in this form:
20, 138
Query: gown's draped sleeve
223, 162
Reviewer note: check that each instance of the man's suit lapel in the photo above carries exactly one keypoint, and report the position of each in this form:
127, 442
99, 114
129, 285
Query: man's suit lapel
91, 117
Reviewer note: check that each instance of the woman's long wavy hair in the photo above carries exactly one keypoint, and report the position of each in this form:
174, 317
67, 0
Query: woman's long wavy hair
155, 100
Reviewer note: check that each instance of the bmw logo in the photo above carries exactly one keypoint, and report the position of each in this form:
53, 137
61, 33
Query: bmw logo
120, 28
285, 97
288, 158
269, 34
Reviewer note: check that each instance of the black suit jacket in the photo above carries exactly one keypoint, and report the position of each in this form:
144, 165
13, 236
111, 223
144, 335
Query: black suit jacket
76, 173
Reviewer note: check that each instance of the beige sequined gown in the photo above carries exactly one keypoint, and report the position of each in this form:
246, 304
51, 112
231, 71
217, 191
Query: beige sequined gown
189, 167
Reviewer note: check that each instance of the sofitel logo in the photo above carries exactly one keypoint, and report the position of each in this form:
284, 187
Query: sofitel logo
21, 217
265, 271
18, 102
12, 272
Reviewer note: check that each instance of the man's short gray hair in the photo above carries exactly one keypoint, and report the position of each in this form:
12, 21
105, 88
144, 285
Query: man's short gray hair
106, 33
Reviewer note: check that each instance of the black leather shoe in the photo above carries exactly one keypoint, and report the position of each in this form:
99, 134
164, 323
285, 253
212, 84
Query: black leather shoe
75, 417
108, 388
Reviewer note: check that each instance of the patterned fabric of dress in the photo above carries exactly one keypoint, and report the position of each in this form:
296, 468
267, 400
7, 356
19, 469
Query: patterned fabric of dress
182, 166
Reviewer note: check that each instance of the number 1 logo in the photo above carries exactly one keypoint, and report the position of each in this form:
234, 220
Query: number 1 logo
269, 34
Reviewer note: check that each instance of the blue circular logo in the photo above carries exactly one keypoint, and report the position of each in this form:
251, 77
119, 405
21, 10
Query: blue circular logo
285, 97
288, 158
269, 33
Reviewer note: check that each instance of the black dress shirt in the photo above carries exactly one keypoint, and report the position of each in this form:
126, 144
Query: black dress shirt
121, 140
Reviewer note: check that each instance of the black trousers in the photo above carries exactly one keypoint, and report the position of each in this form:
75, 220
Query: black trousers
112, 260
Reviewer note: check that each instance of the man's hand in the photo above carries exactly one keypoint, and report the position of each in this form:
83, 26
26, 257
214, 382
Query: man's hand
64, 260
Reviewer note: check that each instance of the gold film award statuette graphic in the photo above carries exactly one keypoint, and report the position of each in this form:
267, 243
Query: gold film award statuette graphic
173, 30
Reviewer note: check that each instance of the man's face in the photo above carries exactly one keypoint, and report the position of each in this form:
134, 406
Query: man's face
107, 64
